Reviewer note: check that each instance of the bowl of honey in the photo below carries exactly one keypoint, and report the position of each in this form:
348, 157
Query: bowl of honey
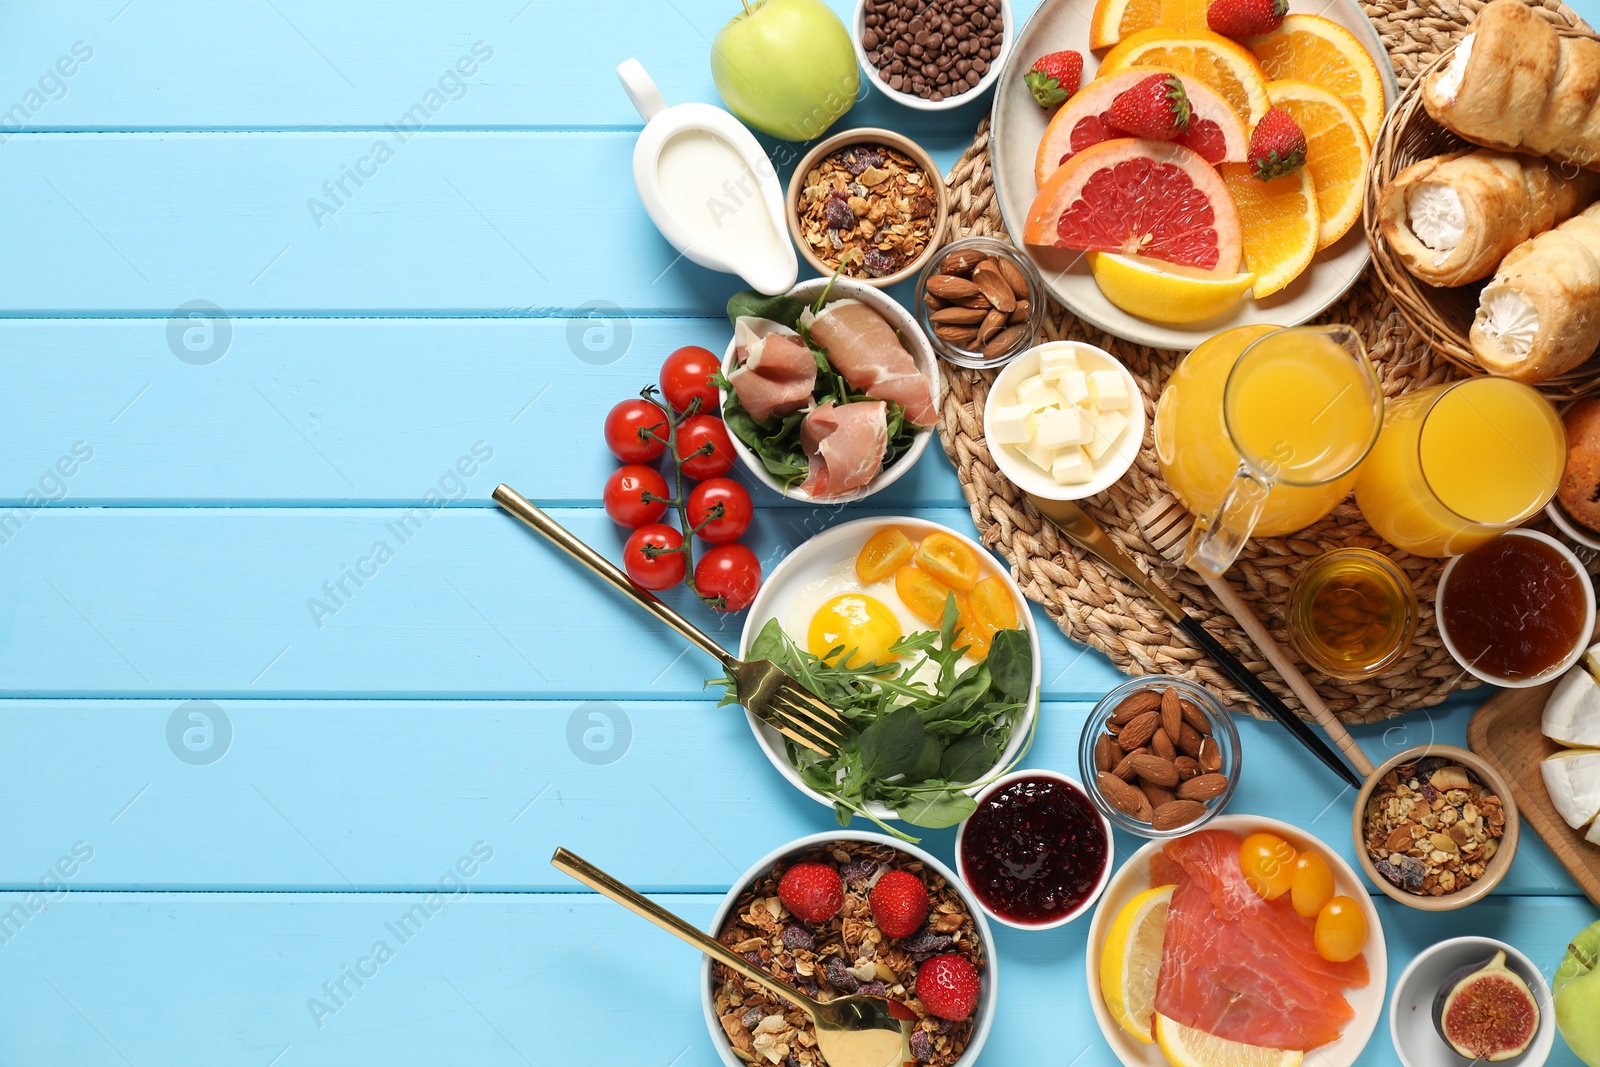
1516, 611
1352, 613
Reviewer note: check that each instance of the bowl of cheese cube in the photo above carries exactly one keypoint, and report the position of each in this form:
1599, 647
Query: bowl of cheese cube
1064, 420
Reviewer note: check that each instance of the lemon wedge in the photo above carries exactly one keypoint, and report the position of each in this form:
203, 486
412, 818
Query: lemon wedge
1185, 1046
1130, 960
1163, 293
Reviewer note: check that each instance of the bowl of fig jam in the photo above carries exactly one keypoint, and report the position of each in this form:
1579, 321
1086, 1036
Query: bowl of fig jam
1517, 611
1037, 853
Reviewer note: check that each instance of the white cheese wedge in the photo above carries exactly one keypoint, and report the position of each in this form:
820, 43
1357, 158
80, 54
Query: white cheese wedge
1108, 390
1040, 456
1593, 836
1572, 714
1072, 466
1011, 425
1056, 363
1074, 386
1036, 394
1573, 781
1107, 428
1061, 427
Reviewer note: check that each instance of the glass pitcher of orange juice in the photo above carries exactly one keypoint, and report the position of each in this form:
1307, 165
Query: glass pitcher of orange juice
1459, 464
1261, 429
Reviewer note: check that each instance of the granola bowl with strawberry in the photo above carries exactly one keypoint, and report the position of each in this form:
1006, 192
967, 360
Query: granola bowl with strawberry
847, 912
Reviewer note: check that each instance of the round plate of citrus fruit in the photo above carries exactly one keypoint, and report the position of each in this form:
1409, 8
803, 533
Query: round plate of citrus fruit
1247, 943
1177, 167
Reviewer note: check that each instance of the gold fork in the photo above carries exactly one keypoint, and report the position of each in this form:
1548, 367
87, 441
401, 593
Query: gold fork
760, 685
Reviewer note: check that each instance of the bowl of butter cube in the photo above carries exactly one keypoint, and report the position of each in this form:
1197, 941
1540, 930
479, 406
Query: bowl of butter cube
1064, 420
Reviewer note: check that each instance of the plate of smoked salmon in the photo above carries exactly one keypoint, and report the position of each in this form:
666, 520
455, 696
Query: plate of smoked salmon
1246, 943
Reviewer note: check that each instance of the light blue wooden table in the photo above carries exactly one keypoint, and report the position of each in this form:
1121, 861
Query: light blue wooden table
214, 890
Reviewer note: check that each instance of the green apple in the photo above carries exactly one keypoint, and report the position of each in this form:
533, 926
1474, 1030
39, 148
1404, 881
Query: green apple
786, 67
1576, 987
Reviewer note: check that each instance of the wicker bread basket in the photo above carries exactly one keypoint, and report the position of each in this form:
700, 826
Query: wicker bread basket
1442, 315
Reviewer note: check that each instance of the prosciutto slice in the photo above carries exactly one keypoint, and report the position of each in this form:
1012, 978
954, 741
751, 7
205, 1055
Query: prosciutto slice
776, 371
845, 444
865, 349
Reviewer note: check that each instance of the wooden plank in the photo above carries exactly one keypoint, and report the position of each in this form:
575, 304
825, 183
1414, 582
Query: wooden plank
334, 795
177, 979
320, 411
365, 63
253, 602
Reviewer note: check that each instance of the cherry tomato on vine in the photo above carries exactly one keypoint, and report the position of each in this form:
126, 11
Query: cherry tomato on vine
694, 433
624, 496
661, 567
636, 431
1268, 864
731, 572
1341, 931
686, 374
736, 510
1312, 886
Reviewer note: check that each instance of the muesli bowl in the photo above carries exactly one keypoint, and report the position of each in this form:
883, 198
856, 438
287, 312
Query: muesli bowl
755, 893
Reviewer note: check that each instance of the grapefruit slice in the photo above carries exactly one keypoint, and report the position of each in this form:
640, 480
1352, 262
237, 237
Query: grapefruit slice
1115, 19
1147, 198
1215, 129
1202, 55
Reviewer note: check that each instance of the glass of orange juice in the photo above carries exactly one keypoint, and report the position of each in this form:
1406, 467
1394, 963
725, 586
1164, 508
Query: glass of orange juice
1300, 409
1459, 464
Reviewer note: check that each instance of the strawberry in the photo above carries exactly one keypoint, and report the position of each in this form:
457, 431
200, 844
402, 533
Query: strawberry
1156, 108
899, 903
1277, 145
1245, 18
812, 892
948, 987
1054, 77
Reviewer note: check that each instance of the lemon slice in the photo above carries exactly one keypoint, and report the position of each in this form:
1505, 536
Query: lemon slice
1165, 292
1185, 1046
1130, 960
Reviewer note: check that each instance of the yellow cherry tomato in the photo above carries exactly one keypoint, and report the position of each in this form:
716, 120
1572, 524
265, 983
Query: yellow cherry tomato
884, 553
993, 605
922, 596
975, 633
949, 561
1312, 886
1341, 931
1268, 864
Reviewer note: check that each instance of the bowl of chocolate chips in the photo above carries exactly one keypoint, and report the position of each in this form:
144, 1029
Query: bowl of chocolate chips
932, 54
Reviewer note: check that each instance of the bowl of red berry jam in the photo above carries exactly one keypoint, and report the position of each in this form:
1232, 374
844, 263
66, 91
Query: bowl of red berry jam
1037, 853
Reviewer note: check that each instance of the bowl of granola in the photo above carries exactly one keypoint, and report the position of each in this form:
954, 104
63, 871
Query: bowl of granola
869, 203
847, 912
1435, 827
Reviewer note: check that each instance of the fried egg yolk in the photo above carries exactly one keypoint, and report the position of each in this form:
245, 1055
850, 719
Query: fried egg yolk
863, 626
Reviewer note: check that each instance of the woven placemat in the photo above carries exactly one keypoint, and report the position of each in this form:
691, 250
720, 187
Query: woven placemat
1098, 608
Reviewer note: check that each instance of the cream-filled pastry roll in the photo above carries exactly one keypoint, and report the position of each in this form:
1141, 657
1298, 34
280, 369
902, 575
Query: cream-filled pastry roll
1540, 314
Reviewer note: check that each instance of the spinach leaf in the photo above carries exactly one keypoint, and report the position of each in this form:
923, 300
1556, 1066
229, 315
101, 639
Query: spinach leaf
928, 760
968, 690
935, 808
891, 745
780, 308
1011, 664
776, 442
969, 759
771, 643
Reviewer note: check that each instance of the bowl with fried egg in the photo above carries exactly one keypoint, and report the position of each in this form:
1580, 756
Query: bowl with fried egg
867, 594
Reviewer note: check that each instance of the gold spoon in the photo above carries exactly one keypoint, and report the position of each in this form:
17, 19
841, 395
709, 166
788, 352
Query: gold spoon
853, 1031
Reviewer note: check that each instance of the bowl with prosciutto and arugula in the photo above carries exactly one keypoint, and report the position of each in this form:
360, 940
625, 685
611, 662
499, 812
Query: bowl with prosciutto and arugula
924, 644
830, 391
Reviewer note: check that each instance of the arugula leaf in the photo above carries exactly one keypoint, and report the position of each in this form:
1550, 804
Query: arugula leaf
1011, 663
780, 308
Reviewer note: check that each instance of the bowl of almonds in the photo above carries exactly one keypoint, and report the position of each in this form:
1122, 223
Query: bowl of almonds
981, 302
1160, 756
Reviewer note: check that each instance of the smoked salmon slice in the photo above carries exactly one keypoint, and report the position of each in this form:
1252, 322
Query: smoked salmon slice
1241, 967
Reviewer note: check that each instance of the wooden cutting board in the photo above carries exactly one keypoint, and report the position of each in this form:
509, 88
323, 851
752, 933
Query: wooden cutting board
1505, 731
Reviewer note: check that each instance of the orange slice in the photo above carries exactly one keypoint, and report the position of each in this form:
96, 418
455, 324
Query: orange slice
1337, 153
1149, 198
1310, 48
1114, 20
1278, 224
1215, 130
1206, 57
